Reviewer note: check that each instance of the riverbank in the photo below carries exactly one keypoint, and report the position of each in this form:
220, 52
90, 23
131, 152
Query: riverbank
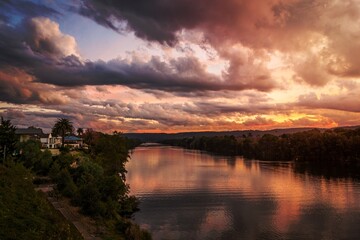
86, 226
25, 213
338, 146
88, 187
94, 183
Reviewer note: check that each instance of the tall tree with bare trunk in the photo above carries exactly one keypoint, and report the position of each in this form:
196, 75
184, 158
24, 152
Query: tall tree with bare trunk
62, 127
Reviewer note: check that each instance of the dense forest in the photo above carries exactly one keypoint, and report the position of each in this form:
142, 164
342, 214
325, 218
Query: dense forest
336, 145
93, 178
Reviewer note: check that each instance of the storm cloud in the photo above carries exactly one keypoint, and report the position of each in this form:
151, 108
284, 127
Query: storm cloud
326, 31
51, 57
207, 64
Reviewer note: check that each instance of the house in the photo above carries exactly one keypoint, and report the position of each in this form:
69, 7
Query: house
73, 142
30, 133
49, 141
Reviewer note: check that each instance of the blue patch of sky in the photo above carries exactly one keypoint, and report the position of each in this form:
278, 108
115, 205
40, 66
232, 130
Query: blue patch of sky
13, 16
94, 41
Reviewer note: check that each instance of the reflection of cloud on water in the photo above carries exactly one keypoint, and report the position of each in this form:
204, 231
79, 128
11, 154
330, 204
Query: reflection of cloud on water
248, 199
217, 220
322, 221
204, 215
161, 172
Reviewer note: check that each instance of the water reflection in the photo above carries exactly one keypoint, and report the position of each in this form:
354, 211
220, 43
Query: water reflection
192, 195
330, 171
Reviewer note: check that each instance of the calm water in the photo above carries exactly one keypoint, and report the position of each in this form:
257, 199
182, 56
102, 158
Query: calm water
187, 194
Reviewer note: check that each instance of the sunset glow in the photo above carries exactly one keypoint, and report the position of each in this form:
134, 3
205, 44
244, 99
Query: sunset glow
175, 66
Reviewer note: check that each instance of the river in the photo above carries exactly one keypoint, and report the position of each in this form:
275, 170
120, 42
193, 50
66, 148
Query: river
187, 194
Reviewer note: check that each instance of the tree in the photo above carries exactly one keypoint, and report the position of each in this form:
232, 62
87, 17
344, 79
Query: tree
32, 157
7, 138
91, 137
80, 131
111, 153
62, 127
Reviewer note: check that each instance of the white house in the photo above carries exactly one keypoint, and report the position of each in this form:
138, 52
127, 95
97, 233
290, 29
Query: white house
48, 141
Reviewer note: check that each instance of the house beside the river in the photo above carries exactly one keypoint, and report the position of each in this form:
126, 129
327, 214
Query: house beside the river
48, 141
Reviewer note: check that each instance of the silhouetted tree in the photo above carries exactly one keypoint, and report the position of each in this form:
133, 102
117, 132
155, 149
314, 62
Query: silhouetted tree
90, 136
80, 131
62, 127
8, 138
340, 146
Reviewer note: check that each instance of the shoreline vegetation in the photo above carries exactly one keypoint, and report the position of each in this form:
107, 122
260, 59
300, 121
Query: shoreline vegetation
93, 180
313, 151
25, 213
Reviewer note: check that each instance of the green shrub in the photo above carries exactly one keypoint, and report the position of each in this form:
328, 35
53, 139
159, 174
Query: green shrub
26, 214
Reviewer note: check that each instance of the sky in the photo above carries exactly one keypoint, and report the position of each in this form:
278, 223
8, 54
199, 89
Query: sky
180, 65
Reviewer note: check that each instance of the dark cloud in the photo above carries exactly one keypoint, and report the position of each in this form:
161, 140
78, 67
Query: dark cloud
348, 101
47, 55
315, 42
13, 114
43, 119
160, 20
14, 51
13, 10
292, 27
152, 20
17, 86
180, 75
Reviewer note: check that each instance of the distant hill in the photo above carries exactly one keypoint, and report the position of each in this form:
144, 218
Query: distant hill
157, 137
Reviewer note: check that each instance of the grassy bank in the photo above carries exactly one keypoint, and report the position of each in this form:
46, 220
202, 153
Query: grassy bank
25, 213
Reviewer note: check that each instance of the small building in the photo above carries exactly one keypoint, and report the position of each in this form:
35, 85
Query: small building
73, 142
49, 141
30, 133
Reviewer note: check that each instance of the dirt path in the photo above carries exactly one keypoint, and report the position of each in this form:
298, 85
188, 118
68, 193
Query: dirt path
84, 225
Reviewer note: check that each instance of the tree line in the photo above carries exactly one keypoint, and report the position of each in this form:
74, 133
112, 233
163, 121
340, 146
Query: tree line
94, 178
335, 145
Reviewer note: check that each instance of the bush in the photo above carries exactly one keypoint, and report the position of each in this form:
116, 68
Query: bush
26, 214
32, 157
65, 184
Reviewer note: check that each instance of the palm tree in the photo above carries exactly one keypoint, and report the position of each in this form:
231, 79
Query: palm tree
62, 127
80, 131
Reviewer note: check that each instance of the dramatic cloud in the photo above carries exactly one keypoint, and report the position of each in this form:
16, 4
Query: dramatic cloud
17, 86
328, 29
45, 37
349, 102
195, 65
180, 75
50, 57
245, 21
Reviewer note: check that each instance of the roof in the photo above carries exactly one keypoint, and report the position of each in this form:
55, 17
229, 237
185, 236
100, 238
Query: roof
29, 131
72, 138
45, 135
